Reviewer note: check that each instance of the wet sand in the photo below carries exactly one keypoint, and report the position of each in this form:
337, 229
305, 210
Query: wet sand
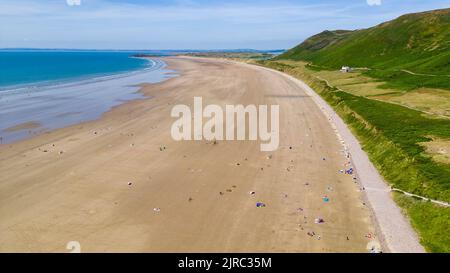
121, 183
33, 110
23, 126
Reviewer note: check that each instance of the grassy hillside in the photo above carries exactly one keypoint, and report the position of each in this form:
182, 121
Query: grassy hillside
409, 52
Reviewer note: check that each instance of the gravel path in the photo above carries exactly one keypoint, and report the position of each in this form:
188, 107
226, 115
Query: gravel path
394, 229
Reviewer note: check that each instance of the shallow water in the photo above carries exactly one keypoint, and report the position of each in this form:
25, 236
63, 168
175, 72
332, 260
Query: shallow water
22, 68
51, 107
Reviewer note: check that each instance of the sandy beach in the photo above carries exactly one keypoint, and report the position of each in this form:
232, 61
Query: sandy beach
121, 183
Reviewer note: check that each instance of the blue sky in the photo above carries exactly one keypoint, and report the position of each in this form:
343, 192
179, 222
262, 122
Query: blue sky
188, 24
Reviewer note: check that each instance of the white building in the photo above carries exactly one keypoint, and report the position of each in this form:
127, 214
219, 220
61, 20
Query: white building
346, 69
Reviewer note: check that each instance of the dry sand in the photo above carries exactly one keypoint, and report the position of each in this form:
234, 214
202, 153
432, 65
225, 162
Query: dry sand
72, 184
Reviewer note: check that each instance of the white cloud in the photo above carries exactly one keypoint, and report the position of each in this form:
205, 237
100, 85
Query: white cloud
374, 2
73, 2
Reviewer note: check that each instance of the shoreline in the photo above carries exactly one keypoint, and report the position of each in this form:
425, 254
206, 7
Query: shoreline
80, 98
58, 81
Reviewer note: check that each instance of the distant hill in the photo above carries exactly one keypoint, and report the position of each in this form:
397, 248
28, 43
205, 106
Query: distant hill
418, 42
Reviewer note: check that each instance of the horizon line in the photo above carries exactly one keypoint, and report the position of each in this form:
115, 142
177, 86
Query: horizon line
101, 49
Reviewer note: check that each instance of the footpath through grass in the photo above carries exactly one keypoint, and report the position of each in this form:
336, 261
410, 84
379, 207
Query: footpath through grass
397, 78
400, 79
391, 135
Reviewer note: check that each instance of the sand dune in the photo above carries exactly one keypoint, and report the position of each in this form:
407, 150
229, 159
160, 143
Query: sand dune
121, 183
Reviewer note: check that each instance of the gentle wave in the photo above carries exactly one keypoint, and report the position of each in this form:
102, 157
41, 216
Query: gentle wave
62, 105
33, 87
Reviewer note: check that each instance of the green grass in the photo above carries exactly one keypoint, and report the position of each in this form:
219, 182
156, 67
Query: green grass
405, 128
432, 221
390, 134
397, 79
416, 42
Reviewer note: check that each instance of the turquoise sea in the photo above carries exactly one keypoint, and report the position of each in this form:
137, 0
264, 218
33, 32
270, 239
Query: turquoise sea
20, 68
54, 89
